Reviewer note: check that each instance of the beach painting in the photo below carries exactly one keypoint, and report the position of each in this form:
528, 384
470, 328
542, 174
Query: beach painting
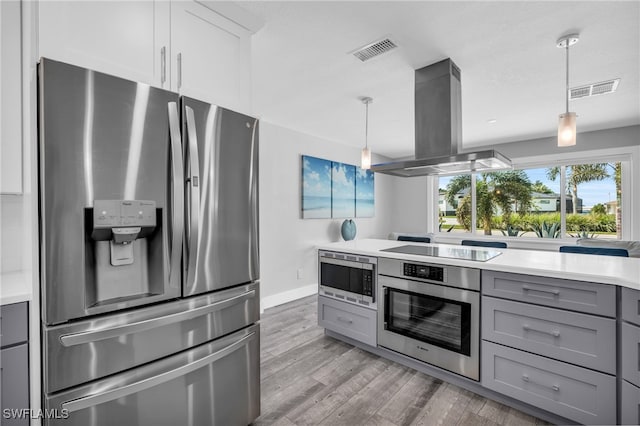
316, 188
365, 206
343, 190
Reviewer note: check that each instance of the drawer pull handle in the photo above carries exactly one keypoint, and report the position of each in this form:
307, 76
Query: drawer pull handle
554, 333
526, 378
527, 288
347, 320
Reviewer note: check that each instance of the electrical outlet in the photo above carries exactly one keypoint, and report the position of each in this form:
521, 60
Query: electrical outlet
300, 273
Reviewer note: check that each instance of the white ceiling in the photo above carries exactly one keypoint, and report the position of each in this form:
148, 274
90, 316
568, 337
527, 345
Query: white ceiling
305, 79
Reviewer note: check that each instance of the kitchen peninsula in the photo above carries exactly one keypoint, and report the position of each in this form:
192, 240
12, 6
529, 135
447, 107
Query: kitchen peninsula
552, 334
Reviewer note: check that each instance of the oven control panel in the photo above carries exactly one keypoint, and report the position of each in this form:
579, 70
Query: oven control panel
427, 272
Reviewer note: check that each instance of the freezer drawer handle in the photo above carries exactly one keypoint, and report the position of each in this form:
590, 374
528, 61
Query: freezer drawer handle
110, 395
554, 333
136, 327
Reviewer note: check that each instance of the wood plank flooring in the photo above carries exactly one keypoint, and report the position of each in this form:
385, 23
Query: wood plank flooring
308, 378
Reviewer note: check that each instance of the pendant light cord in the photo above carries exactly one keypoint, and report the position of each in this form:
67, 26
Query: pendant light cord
567, 86
366, 126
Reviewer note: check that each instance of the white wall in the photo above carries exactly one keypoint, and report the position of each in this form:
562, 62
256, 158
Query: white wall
12, 238
288, 242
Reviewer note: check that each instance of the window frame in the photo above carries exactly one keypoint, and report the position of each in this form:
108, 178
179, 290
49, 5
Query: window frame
630, 186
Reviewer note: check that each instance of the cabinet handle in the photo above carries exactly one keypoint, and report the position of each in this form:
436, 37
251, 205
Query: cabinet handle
526, 378
527, 288
179, 70
554, 333
163, 64
347, 320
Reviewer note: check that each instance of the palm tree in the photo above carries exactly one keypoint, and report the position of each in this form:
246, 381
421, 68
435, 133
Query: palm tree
540, 187
493, 190
578, 174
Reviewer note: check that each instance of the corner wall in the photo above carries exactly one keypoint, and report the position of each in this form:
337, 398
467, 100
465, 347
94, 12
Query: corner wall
288, 242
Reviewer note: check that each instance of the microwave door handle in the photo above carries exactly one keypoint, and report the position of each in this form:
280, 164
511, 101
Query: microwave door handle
177, 201
139, 386
194, 195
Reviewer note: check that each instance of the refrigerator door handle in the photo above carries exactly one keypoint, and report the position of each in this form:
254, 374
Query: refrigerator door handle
194, 195
100, 398
177, 209
81, 338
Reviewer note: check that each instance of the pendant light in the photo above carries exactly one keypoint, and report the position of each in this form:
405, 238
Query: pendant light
567, 121
365, 158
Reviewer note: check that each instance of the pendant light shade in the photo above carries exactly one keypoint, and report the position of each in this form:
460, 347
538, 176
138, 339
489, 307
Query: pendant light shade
567, 121
365, 157
567, 129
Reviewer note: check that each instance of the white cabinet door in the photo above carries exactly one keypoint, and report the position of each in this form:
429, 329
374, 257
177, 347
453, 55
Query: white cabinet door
123, 38
210, 56
10, 93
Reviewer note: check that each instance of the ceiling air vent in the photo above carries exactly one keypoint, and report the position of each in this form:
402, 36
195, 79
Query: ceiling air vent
594, 89
374, 49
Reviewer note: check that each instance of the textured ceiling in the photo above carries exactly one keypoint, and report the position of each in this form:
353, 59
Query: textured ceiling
304, 77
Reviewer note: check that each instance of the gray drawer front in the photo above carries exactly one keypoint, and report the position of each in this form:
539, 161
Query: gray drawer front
14, 322
630, 404
630, 347
591, 298
581, 339
631, 305
349, 320
576, 393
14, 378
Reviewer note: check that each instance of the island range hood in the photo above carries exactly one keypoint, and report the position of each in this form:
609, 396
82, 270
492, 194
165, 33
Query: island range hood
438, 121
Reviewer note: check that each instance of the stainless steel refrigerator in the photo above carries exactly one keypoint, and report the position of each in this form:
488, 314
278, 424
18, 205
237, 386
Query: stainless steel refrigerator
149, 254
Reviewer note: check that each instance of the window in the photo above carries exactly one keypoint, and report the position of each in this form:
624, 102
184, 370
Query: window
529, 202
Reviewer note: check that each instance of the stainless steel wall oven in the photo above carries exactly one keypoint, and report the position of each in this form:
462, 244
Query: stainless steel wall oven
432, 313
348, 277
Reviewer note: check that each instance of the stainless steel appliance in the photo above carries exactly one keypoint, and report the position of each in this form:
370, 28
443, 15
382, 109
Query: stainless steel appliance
432, 313
452, 252
438, 129
348, 277
149, 254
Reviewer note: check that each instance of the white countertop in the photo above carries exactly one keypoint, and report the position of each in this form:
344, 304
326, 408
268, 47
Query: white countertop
15, 287
622, 271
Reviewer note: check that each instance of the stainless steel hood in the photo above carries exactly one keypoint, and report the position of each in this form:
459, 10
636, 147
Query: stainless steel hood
438, 121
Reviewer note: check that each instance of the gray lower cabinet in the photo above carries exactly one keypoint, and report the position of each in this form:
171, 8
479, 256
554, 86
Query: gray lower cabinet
581, 339
631, 305
347, 319
14, 364
629, 404
591, 298
630, 348
577, 393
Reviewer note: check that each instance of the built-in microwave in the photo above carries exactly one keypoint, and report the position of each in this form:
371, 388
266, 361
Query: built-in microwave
348, 277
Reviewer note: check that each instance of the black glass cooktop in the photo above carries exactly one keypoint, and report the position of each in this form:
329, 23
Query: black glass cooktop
477, 255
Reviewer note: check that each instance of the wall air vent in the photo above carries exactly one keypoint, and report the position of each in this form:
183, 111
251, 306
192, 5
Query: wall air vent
594, 89
374, 49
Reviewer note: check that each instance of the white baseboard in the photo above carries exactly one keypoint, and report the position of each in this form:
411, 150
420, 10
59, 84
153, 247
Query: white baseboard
287, 296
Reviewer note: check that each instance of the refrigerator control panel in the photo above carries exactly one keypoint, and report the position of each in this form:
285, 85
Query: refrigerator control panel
109, 214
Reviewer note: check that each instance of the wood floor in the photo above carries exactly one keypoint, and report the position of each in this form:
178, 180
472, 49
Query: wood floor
308, 378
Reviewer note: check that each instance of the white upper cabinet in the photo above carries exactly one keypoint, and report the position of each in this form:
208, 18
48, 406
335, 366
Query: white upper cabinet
200, 49
129, 39
210, 56
11, 98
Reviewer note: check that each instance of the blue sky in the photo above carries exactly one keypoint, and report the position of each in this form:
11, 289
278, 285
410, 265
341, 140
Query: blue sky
591, 192
316, 176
